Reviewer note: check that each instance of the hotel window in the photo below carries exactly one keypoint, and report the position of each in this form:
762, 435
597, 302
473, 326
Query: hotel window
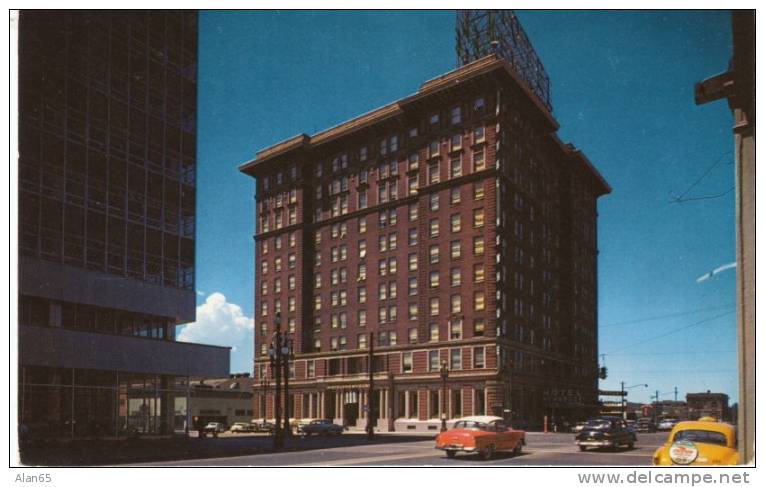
434, 119
478, 190
478, 105
412, 336
454, 196
362, 249
277, 285
434, 227
455, 354
292, 215
455, 275
456, 304
317, 238
263, 308
478, 273
382, 291
384, 147
433, 361
293, 239
479, 135
264, 267
293, 193
264, 224
265, 247
433, 306
277, 306
362, 294
310, 368
362, 338
455, 330
434, 332
279, 200
382, 243
413, 312
362, 199
456, 223
279, 219
413, 212
434, 148
412, 262
343, 298
362, 317
291, 324
479, 161
433, 252
317, 281
263, 329
363, 176
434, 202
291, 283
478, 245
455, 142
278, 264
413, 184
317, 345
455, 166
433, 279
456, 115
382, 315
392, 290
334, 298
434, 175
413, 132
455, 249
412, 286
414, 161
264, 288
479, 303
362, 154
318, 192
406, 362
291, 260
478, 327
278, 242
263, 350
413, 236
317, 302
392, 239
363, 224
291, 303
392, 314
382, 339
333, 343
334, 254
362, 271
393, 143
343, 252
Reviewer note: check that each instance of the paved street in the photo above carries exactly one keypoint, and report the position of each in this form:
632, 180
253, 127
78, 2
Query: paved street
353, 450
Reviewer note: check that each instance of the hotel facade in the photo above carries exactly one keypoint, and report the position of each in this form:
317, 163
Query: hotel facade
451, 228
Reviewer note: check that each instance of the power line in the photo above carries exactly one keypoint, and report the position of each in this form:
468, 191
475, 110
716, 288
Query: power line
680, 199
671, 315
672, 331
700, 352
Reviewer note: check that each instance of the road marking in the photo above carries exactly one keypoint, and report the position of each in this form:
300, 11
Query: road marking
380, 458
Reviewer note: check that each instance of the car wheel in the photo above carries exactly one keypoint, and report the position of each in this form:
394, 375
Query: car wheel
582, 448
451, 453
518, 448
488, 453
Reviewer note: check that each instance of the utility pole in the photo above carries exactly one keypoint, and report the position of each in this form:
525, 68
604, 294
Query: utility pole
675, 393
275, 356
371, 394
656, 407
286, 355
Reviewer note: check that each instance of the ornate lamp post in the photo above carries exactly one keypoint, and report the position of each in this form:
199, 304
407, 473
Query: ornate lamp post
444, 376
275, 361
287, 355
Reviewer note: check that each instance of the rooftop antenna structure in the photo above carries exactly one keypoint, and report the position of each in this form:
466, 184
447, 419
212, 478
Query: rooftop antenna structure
484, 32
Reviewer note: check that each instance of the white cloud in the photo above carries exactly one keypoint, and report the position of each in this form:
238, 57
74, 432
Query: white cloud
219, 323
200, 293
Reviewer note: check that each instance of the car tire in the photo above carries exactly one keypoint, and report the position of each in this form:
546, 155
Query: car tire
582, 448
518, 448
488, 452
451, 453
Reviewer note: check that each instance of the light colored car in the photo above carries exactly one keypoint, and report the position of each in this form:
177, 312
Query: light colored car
699, 443
666, 424
484, 435
579, 426
242, 428
214, 428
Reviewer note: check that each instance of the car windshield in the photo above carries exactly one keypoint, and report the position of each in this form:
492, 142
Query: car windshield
702, 436
470, 425
598, 424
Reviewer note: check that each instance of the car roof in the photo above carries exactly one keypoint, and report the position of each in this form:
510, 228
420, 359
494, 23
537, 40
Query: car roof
705, 425
480, 419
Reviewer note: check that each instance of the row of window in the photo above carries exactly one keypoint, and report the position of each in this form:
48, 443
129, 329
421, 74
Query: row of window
387, 314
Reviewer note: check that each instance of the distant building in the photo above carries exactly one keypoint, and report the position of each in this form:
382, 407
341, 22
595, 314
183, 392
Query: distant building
107, 205
714, 404
227, 401
451, 228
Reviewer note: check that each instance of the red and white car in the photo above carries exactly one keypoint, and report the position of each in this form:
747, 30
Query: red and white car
484, 435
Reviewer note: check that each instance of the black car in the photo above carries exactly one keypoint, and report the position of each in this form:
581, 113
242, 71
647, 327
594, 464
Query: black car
607, 431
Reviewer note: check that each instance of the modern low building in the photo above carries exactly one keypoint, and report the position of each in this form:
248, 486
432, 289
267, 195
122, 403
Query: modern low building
107, 166
713, 404
227, 400
451, 228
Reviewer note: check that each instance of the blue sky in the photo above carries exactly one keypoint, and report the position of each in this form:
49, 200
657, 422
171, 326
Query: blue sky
622, 87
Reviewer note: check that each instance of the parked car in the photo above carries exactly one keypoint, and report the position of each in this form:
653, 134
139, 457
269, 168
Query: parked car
263, 426
607, 431
645, 425
699, 443
321, 427
484, 435
214, 428
242, 428
666, 424
579, 426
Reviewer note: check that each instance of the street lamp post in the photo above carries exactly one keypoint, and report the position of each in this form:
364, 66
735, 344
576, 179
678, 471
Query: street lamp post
444, 376
287, 355
623, 398
275, 361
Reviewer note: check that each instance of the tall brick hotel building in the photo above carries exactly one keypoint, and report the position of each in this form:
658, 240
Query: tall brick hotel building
455, 228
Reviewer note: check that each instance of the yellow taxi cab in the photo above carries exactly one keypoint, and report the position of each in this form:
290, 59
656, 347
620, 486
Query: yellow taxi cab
699, 443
